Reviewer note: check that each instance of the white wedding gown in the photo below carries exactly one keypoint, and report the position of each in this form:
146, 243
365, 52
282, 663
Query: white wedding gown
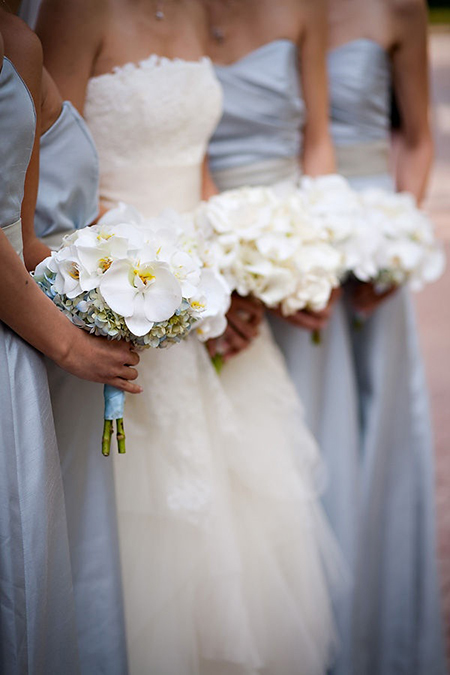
227, 562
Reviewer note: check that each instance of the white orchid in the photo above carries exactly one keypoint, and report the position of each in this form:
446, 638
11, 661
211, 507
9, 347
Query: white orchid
142, 291
212, 303
68, 271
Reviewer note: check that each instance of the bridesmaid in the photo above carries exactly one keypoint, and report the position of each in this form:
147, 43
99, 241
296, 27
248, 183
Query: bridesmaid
68, 200
396, 612
271, 62
37, 609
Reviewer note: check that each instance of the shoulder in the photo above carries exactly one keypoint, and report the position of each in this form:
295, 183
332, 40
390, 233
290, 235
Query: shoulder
409, 18
24, 49
406, 11
83, 18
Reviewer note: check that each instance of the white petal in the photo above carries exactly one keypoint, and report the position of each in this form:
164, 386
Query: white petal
138, 323
116, 288
163, 297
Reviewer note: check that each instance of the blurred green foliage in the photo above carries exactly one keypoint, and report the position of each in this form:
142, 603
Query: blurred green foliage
439, 14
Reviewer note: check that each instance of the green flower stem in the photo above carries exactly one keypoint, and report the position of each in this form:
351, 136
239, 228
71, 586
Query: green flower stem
120, 434
358, 323
316, 337
106, 440
218, 363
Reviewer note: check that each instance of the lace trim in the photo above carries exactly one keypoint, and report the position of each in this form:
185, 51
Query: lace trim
150, 62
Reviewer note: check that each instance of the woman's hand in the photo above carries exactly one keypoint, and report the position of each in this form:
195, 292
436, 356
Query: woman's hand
100, 360
244, 318
312, 321
365, 299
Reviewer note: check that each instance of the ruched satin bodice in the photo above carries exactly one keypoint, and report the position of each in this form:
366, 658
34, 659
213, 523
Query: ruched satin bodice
359, 74
359, 81
68, 180
263, 108
151, 123
17, 129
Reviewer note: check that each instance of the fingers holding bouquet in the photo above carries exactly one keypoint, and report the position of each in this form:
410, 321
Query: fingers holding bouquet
105, 361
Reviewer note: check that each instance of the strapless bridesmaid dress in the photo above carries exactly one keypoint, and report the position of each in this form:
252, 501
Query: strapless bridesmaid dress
37, 614
397, 620
68, 200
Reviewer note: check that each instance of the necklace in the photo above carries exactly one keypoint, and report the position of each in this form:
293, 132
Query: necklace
221, 6
159, 12
218, 34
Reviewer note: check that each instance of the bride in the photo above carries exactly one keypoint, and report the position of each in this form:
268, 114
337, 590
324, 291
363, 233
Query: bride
227, 562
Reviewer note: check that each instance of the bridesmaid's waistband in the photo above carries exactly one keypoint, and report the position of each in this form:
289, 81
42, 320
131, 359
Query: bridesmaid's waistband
363, 159
267, 172
14, 235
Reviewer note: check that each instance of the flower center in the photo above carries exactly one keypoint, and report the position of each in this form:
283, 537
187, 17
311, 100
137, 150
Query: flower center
145, 276
74, 272
104, 264
196, 304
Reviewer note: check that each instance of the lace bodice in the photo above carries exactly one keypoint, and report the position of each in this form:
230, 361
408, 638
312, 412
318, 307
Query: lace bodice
151, 123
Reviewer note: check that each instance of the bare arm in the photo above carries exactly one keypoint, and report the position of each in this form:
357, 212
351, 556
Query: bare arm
71, 34
209, 187
318, 154
410, 77
51, 103
25, 50
23, 306
25, 309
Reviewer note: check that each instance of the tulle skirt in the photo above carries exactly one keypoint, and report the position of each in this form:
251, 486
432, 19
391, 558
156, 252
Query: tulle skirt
227, 561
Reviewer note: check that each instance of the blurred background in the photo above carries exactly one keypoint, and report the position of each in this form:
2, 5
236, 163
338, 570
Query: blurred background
434, 303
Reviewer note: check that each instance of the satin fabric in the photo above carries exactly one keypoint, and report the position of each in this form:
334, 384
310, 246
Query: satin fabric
68, 179
68, 200
263, 109
397, 621
37, 616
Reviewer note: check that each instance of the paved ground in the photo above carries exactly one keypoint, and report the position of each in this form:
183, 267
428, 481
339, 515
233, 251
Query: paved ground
434, 302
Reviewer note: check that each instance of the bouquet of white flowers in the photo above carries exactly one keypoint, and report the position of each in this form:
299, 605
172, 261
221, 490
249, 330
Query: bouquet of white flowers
338, 214
270, 247
406, 249
145, 281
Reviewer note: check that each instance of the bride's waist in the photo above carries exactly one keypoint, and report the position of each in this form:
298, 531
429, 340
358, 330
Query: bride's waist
151, 188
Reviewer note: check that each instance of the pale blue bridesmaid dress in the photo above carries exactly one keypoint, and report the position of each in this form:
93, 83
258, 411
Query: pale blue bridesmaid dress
257, 142
68, 200
37, 614
397, 615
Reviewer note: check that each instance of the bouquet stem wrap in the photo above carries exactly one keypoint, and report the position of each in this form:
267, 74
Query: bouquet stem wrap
114, 410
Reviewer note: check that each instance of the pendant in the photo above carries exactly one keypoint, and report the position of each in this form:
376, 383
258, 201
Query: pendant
159, 15
218, 35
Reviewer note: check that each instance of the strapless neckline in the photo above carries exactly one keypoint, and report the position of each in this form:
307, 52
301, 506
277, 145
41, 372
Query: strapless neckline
256, 51
11, 64
151, 61
355, 41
